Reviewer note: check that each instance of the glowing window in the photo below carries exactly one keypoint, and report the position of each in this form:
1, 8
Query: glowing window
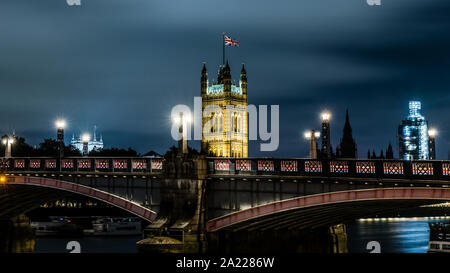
216, 89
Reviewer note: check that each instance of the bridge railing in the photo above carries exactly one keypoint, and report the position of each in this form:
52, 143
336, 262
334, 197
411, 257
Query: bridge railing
430, 169
83, 164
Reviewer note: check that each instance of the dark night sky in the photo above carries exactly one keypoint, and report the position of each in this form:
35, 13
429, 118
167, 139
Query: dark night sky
123, 64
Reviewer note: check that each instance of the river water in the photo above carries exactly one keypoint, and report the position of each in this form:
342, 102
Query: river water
395, 235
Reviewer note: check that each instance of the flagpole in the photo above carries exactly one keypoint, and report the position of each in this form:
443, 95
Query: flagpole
223, 48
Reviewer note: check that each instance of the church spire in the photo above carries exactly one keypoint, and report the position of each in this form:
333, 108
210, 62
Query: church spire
348, 145
243, 80
204, 79
347, 126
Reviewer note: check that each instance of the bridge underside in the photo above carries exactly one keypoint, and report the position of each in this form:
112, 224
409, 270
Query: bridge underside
18, 199
324, 215
327, 209
21, 194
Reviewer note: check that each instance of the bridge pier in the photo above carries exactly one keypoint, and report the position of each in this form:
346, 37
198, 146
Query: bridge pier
16, 235
319, 240
180, 225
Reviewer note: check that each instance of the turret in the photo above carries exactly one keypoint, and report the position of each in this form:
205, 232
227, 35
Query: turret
243, 80
220, 75
204, 79
226, 79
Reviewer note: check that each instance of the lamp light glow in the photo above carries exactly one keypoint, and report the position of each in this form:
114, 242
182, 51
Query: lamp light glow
308, 134
432, 132
86, 138
60, 124
326, 116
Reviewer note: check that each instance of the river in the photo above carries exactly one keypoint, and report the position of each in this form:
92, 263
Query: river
395, 235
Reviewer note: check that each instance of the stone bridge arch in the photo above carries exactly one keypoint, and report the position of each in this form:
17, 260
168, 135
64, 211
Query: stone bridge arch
41, 189
327, 208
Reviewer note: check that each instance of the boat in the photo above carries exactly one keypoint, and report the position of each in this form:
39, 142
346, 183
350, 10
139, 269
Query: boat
56, 226
113, 226
439, 238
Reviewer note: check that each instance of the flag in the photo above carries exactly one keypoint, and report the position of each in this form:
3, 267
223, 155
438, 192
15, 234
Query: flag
231, 42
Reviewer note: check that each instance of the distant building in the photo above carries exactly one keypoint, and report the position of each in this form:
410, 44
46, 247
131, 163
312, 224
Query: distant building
93, 144
347, 147
413, 134
228, 136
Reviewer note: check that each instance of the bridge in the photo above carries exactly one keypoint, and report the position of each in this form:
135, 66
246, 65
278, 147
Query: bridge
122, 182
215, 199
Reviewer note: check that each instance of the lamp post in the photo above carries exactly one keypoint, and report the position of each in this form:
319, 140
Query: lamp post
432, 143
60, 125
312, 136
182, 121
8, 141
85, 138
326, 142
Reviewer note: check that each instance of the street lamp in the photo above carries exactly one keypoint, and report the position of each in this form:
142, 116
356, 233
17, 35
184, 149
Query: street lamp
325, 116
312, 136
182, 121
85, 138
8, 141
326, 142
432, 133
60, 125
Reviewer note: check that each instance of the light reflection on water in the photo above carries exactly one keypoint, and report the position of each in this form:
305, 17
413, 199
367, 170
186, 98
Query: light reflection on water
394, 235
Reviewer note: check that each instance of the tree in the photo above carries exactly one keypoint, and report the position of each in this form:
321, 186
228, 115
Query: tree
152, 153
113, 152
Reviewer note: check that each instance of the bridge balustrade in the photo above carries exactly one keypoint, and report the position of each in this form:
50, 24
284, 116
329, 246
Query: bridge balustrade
83, 164
430, 169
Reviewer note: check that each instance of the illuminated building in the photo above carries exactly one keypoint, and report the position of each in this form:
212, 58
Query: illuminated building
413, 134
227, 135
92, 144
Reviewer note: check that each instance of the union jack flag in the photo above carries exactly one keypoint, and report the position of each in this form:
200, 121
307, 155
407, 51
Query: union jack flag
231, 42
